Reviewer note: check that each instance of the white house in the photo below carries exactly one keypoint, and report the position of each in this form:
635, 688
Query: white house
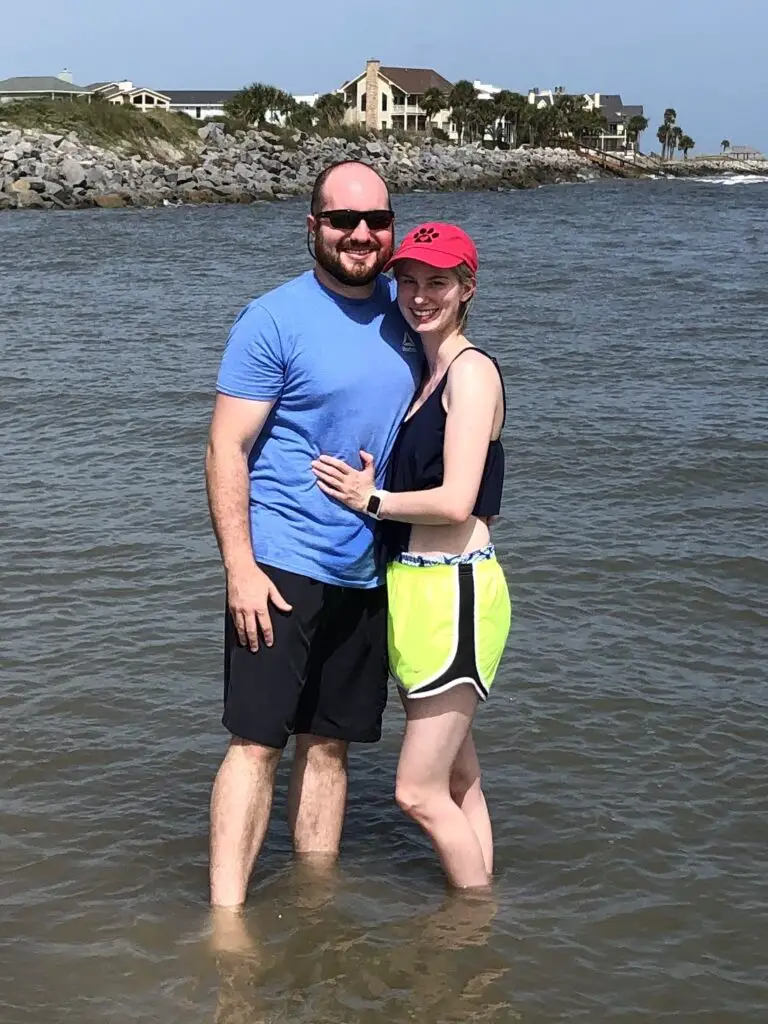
200, 104
124, 93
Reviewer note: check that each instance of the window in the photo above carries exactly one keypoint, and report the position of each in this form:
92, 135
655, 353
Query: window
398, 98
422, 123
198, 113
398, 123
383, 101
149, 101
363, 102
137, 100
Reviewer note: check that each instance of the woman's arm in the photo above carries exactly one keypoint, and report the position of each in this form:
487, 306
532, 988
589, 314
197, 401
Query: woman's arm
472, 396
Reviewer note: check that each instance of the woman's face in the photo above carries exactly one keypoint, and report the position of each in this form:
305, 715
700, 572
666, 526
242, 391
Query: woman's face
429, 298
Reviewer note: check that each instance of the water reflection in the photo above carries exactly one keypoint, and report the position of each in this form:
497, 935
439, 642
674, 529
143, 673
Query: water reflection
311, 962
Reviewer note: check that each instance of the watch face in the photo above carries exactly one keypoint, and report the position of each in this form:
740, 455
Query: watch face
374, 504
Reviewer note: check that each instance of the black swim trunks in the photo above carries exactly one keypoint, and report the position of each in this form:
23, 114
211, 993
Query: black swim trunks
325, 674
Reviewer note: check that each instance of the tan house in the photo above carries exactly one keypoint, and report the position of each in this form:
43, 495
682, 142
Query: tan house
126, 94
389, 99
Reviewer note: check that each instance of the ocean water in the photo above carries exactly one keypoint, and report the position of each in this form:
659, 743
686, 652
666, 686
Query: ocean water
624, 747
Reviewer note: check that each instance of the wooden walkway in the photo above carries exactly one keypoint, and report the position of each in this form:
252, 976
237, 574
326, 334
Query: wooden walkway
637, 167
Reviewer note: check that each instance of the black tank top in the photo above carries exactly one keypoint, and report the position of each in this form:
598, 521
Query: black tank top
417, 459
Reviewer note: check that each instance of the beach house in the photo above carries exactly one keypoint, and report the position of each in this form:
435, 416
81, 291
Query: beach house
42, 87
125, 93
386, 98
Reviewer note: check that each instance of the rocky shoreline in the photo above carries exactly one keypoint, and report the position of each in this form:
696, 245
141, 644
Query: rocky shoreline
714, 167
42, 170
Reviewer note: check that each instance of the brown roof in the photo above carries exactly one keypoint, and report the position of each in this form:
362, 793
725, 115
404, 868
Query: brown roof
417, 80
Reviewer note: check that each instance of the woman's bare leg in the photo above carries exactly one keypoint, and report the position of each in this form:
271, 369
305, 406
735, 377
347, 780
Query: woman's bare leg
467, 793
435, 731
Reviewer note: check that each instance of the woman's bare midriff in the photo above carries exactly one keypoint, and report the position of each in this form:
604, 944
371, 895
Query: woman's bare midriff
457, 539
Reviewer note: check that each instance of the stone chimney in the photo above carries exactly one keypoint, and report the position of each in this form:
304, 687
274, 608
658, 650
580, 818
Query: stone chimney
372, 101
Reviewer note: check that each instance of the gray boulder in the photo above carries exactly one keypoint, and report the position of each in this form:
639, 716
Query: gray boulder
72, 172
96, 177
30, 201
242, 172
212, 132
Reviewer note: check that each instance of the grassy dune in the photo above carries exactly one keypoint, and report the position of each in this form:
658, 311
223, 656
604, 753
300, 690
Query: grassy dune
101, 123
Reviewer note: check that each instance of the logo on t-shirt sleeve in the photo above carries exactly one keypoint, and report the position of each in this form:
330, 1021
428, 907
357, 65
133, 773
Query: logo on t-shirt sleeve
408, 344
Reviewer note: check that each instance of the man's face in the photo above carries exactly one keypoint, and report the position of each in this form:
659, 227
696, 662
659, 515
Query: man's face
354, 256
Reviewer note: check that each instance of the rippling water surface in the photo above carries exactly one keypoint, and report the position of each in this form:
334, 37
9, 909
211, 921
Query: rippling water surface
624, 746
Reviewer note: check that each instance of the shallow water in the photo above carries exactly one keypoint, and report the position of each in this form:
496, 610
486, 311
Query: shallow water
624, 745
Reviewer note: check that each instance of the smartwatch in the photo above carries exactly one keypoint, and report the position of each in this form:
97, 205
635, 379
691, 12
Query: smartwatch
373, 508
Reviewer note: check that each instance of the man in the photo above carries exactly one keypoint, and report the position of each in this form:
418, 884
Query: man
322, 364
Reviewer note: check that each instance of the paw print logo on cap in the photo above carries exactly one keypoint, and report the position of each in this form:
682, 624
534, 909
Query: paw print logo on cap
426, 235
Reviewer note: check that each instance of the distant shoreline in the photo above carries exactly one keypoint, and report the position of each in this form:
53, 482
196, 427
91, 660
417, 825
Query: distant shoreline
49, 170
41, 169
707, 166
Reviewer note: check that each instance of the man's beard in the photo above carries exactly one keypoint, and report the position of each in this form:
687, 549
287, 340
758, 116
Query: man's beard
360, 275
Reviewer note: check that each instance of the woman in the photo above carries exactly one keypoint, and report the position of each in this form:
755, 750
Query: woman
449, 610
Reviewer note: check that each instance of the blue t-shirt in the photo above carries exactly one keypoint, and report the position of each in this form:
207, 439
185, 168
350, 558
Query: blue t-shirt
342, 373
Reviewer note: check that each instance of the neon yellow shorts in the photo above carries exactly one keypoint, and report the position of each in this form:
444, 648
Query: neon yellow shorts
448, 624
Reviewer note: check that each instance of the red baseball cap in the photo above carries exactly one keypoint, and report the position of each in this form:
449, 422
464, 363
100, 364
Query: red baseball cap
437, 245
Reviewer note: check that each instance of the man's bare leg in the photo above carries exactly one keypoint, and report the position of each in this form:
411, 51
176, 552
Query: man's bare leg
241, 802
317, 796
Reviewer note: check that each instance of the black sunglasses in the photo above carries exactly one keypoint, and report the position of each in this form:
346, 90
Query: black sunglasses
347, 220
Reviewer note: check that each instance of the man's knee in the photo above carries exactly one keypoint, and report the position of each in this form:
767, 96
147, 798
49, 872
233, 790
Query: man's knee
254, 756
321, 753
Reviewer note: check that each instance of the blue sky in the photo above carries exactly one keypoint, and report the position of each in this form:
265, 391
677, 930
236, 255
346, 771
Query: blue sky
706, 58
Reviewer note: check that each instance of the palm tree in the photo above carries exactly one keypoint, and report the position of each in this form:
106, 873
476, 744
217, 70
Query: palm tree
302, 117
725, 145
252, 103
509, 109
686, 143
432, 102
588, 126
543, 125
663, 136
670, 116
675, 137
330, 109
461, 100
572, 121
635, 127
